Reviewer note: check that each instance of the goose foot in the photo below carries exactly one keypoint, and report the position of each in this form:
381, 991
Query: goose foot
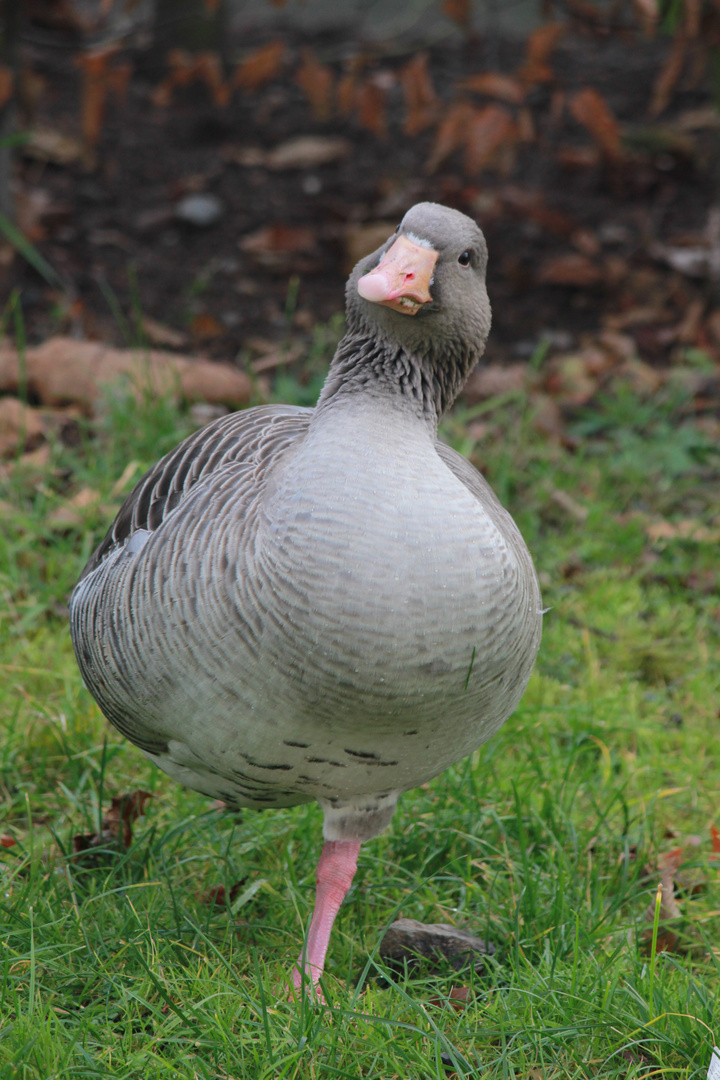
335, 872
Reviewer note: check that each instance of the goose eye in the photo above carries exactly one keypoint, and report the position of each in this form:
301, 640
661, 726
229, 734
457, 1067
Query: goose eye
464, 259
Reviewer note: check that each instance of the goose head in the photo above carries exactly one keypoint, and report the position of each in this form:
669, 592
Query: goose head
424, 288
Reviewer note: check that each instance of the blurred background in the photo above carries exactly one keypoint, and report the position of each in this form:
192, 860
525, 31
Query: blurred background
202, 174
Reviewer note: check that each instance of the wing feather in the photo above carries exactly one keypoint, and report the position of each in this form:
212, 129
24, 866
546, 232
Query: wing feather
252, 437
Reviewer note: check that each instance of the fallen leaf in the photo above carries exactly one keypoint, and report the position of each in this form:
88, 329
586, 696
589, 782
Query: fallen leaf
494, 380
274, 246
209, 70
532, 205
260, 66
458, 999
572, 508
47, 144
494, 84
7, 841
570, 380
421, 103
370, 106
592, 111
219, 895
75, 510
648, 14
116, 826
158, 333
643, 379
306, 152
205, 326
667, 938
668, 76
7, 82
21, 427
539, 46
64, 371
572, 271
317, 81
362, 240
98, 78
488, 130
459, 11
187, 68
715, 836
450, 135
686, 529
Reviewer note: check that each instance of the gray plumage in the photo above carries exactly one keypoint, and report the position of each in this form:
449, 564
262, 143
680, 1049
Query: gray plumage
324, 603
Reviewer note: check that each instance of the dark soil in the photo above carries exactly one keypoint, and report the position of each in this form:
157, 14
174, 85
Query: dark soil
111, 232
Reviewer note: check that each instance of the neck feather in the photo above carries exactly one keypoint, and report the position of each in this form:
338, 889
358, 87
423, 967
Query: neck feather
426, 383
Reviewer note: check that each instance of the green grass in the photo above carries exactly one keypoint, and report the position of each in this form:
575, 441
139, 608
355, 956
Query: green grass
545, 841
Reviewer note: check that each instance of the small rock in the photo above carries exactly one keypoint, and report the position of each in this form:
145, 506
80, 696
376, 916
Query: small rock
201, 209
406, 939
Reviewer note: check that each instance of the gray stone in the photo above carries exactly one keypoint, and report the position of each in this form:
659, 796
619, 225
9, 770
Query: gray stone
407, 939
201, 209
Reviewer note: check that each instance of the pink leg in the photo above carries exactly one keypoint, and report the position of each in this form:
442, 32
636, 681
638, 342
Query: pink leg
335, 872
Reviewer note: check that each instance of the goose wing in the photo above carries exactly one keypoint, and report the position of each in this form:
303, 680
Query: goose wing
254, 437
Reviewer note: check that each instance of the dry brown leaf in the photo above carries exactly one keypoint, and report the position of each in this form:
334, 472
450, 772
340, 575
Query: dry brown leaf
570, 381
537, 53
260, 66
116, 826
7, 82
715, 837
492, 380
570, 506
75, 510
667, 938
648, 14
288, 239
531, 205
65, 371
158, 333
219, 895
687, 529
362, 240
317, 81
495, 84
459, 11
205, 326
210, 71
21, 427
573, 270
592, 111
458, 999
668, 76
6, 840
421, 103
94, 66
47, 144
450, 134
489, 130
305, 152
370, 105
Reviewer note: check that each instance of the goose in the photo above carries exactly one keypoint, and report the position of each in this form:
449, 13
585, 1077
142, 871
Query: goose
324, 603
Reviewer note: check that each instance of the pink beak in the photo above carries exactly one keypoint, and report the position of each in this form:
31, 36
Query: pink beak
402, 278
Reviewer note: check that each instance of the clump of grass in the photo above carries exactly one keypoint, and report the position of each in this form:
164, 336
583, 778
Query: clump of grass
544, 841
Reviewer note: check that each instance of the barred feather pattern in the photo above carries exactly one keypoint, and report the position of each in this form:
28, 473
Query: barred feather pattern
309, 604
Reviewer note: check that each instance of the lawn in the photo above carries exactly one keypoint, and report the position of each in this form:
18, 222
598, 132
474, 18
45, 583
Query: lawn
549, 841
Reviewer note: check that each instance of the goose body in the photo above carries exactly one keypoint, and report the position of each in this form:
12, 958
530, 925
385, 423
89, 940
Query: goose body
324, 603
